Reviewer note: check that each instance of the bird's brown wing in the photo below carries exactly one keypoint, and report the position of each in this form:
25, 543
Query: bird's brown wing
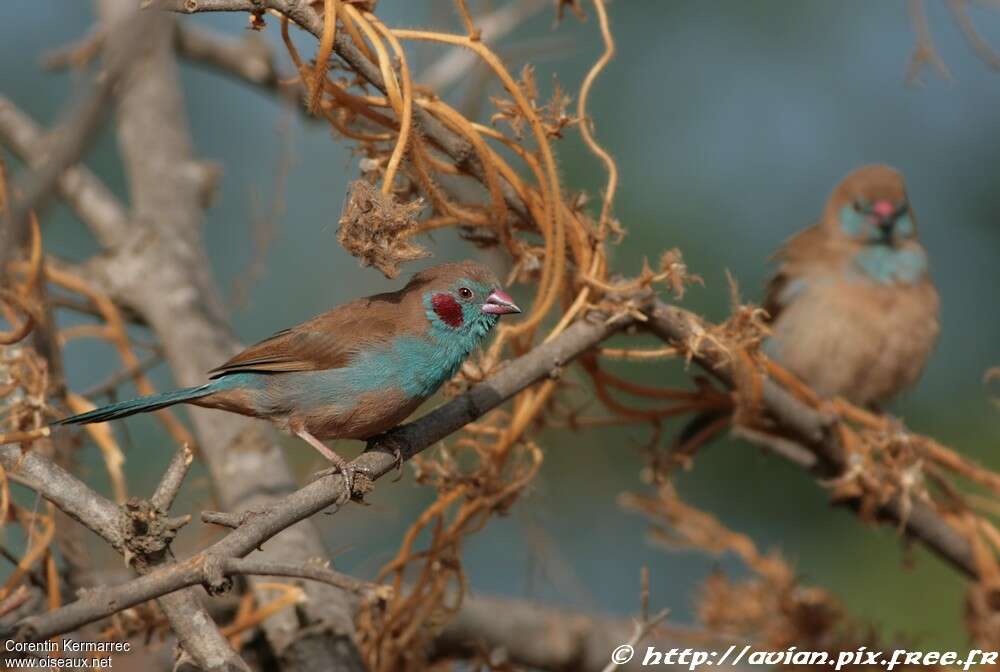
327, 341
803, 249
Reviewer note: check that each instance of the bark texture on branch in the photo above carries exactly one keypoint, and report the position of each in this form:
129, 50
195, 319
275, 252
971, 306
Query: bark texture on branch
200, 638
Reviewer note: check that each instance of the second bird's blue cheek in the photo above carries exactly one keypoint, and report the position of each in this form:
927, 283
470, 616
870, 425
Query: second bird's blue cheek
852, 222
904, 226
855, 223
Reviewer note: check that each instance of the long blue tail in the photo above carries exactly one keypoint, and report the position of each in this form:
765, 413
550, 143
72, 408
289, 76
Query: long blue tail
141, 405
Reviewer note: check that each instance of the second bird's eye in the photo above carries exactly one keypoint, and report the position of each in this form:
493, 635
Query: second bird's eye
465, 292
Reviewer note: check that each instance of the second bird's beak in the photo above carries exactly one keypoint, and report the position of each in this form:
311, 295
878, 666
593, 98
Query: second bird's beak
884, 215
500, 303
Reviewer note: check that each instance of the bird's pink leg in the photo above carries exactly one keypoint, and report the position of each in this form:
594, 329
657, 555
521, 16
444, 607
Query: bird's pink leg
339, 463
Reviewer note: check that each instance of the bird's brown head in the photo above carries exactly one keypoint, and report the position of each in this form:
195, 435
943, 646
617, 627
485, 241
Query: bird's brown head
871, 207
464, 297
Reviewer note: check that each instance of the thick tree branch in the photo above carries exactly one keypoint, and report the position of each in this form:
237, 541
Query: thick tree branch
202, 569
68, 493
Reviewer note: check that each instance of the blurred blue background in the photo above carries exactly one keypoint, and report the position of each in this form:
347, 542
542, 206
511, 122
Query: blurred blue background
730, 122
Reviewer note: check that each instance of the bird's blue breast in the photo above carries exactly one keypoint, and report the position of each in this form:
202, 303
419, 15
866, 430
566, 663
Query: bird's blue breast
414, 364
887, 265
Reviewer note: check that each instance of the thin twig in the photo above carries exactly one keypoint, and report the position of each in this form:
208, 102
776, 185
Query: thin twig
924, 51
640, 632
172, 479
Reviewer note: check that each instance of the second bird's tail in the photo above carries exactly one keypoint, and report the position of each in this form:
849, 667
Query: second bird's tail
141, 405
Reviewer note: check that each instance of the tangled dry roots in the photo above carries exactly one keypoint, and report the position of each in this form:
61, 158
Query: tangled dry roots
494, 179
375, 228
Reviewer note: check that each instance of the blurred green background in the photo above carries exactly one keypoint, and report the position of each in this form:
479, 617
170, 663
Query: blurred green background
730, 121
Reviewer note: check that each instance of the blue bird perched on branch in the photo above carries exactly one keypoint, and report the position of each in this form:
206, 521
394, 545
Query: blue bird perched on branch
352, 372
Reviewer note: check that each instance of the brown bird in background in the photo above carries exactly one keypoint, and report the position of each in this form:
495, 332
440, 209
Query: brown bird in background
853, 310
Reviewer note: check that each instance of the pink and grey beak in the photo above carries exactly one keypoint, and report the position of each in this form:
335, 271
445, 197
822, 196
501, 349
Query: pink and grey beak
500, 303
883, 210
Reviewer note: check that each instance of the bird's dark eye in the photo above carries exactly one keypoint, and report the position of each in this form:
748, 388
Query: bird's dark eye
465, 292
858, 206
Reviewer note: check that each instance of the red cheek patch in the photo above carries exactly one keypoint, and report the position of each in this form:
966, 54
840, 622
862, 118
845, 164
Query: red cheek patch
447, 308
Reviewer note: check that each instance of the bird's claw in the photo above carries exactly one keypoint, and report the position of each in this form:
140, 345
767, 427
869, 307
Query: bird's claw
385, 443
397, 463
348, 472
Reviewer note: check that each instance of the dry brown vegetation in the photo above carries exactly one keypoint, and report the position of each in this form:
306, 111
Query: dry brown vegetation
426, 166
